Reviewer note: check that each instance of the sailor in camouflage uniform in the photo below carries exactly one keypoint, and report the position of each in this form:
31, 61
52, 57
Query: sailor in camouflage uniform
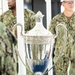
68, 19
7, 49
9, 19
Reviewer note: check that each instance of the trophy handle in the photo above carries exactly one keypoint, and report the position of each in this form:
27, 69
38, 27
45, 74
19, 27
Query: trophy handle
61, 51
15, 26
17, 52
65, 39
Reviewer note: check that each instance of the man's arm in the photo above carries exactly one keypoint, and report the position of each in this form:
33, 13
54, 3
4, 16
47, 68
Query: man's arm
29, 18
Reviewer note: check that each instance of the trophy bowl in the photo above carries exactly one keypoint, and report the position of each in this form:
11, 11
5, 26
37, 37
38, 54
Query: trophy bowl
38, 49
38, 43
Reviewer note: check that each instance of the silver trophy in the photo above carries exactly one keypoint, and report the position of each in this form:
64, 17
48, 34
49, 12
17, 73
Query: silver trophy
39, 43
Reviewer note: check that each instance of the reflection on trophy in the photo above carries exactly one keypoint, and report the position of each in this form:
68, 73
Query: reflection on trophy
38, 46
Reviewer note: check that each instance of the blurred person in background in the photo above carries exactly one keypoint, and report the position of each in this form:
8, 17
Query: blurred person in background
67, 18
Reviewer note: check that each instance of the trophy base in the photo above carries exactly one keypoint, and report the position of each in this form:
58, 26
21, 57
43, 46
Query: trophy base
38, 73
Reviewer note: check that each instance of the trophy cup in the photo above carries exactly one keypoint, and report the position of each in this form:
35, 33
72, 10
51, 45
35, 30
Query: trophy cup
38, 46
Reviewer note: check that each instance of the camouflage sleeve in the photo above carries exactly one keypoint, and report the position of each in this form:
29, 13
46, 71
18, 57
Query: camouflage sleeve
54, 22
12, 37
29, 17
1, 18
7, 50
52, 26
